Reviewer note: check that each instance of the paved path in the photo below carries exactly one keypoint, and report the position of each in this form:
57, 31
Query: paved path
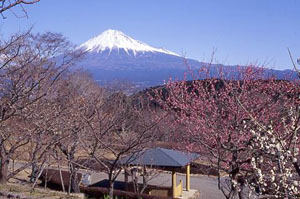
208, 186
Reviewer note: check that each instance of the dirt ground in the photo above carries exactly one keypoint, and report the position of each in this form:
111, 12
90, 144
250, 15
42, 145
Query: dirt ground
19, 187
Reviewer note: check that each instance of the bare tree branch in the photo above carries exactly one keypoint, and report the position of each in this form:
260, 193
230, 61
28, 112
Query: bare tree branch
6, 5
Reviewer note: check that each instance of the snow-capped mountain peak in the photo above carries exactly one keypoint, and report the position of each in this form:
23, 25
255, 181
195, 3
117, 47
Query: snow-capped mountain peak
113, 39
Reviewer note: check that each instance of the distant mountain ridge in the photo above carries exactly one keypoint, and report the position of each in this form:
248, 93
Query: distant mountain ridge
112, 55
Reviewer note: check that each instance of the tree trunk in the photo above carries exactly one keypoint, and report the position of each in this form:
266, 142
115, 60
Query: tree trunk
4, 168
34, 172
74, 182
73, 179
61, 179
38, 176
111, 190
111, 186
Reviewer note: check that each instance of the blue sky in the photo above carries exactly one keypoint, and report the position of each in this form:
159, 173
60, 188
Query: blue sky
241, 31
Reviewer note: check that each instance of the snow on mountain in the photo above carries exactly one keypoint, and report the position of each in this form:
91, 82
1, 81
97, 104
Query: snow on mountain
116, 40
113, 55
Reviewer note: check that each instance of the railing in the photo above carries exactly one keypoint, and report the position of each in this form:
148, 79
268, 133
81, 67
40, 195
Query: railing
178, 189
102, 192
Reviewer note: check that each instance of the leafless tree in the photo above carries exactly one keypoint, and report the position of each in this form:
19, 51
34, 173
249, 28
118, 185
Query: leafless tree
29, 69
76, 98
120, 128
6, 5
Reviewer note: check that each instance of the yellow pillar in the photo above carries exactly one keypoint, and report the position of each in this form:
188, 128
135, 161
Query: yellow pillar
173, 183
188, 177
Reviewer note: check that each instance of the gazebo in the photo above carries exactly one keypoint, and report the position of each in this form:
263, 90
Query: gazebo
165, 159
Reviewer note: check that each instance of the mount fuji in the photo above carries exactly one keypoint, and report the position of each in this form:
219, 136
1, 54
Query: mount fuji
116, 40
112, 55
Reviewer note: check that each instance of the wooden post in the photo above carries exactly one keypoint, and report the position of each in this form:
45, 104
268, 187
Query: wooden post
188, 177
173, 183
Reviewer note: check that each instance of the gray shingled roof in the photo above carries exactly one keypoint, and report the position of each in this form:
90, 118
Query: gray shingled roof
160, 157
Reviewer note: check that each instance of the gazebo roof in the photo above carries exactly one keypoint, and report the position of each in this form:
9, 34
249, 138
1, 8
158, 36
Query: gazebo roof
160, 157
